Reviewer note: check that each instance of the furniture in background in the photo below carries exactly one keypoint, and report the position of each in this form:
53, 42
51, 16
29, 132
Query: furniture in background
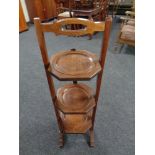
22, 22
115, 4
44, 9
75, 103
64, 8
90, 9
127, 30
95, 10
84, 4
119, 7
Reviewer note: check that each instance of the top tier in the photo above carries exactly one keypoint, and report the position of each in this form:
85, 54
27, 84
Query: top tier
74, 65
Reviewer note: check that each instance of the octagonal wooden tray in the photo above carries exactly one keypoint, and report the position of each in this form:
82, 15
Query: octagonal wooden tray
76, 123
74, 65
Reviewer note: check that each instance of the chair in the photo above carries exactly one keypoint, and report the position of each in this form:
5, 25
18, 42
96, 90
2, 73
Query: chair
75, 103
84, 4
64, 8
127, 31
95, 9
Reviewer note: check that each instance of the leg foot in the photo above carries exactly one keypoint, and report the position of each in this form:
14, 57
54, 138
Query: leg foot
92, 144
61, 139
90, 37
121, 48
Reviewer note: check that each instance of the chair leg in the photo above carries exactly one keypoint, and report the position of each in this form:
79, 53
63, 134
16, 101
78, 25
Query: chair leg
121, 48
61, 139
90, 37
115, 48
91, 133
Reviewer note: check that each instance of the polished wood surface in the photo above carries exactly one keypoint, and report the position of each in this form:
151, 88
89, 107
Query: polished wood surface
58, 27
22, 22
50, 8
74, 65
35, 9
103, 53
44, 9
42, 45
75, 99
75, 104
76, 123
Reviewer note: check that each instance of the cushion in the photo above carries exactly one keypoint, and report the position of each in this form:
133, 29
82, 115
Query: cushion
131, 22
65, 14
128, 32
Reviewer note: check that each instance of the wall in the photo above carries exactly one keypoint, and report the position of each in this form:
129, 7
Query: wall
25, 10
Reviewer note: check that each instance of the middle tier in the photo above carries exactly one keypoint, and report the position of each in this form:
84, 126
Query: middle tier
75, 99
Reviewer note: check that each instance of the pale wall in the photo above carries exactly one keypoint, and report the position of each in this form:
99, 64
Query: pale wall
25, 10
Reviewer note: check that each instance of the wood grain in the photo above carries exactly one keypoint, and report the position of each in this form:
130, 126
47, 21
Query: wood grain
49, 8
104, 48
74, 65
58, 26
44, 9
22, 21
76, 124
75, 99
75, 104
43, 49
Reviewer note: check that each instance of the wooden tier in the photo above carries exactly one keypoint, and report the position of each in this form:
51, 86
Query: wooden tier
76, 123
75, 99
74, 65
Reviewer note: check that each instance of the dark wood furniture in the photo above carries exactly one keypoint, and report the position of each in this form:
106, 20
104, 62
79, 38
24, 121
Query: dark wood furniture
44, 9
119, 7
90, 9
22, 21
75, 103
95, 10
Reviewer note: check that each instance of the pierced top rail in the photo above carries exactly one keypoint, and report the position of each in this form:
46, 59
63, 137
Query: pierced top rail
58, 27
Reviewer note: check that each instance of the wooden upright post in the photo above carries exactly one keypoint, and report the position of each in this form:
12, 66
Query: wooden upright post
42, 45
99, 77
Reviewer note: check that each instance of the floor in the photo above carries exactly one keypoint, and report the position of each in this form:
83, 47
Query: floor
114, 127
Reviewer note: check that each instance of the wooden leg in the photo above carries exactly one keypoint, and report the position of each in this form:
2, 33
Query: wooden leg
90, 37
92, 144
74, 82
121, 48
115, 49
61, 139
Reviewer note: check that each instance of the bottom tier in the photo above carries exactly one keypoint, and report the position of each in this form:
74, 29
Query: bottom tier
76, 123
75, 103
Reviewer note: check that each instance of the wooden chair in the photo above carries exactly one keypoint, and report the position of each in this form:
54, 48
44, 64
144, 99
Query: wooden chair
64, 8
94, 10
85, 4
75, 103
127, 31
